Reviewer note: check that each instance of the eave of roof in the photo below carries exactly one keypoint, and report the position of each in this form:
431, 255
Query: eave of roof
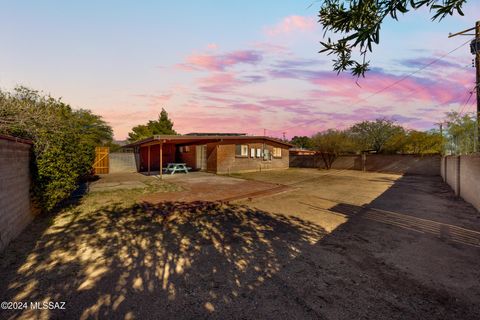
171, 138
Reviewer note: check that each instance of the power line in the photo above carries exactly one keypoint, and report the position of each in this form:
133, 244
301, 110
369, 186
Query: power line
466, 102
406, 76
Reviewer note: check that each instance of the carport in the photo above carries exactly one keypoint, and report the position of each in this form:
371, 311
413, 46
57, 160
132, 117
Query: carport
154, 153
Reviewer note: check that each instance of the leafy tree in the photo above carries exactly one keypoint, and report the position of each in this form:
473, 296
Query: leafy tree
420, 142
374, 135
302, 142
64, 141
331, 144
161, 126
460, 132
397, 143
359, 21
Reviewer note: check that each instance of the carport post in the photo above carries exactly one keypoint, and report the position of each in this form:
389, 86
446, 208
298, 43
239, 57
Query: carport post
161, 160
148, 162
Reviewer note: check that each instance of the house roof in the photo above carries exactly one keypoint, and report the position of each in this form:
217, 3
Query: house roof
214, 134
189, 139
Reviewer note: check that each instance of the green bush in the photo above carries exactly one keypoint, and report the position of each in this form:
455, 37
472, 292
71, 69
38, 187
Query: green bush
64, 141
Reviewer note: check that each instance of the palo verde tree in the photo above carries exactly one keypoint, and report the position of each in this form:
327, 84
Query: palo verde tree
374, 135
64, 141
331, 144
358, 23
161, 126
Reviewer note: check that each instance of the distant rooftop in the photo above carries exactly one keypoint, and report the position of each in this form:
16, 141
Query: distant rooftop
215, 134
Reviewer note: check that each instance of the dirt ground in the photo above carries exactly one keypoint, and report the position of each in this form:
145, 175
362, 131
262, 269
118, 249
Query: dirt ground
329, 245
200, 186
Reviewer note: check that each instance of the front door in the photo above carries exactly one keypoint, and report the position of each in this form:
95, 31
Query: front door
201, 154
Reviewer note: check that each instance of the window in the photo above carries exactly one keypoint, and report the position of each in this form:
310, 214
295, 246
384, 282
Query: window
259, 153
184, 149
277, 152
252, 153
266, 154
241, 150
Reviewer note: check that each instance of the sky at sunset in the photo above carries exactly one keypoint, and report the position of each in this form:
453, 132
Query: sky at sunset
225, 66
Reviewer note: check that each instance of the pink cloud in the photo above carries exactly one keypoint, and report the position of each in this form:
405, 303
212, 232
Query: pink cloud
212, 46
155, 100
221, 62
292, 24
195, 119
219, 82
272, 48
432, 89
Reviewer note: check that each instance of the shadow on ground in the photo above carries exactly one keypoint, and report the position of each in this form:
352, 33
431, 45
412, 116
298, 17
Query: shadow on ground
171, 260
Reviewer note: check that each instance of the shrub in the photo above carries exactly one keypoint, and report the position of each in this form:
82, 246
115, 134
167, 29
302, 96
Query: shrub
64, 141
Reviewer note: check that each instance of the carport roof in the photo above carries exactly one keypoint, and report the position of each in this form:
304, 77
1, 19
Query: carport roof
186, 139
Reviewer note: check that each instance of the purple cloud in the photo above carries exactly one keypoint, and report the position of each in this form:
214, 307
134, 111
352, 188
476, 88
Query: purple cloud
221, 62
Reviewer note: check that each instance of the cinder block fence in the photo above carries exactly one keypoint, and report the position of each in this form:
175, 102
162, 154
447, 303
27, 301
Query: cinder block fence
462, 174
15, 208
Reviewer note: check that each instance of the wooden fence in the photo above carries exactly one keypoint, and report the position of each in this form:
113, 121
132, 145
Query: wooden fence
101, 164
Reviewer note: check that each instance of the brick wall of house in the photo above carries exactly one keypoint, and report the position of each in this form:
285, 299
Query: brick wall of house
228, 162
15, 208
188, 157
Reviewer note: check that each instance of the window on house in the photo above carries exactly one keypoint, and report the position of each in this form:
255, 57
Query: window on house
259, 153
241, 150
266, 154
183, 149
277, 152
252, 153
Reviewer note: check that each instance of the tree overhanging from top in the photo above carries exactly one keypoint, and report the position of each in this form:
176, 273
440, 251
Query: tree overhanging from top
358, 22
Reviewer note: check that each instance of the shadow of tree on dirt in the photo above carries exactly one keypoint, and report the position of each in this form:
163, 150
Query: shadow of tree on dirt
171, 260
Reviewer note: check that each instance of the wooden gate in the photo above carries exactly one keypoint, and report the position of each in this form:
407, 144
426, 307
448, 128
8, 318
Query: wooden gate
100, 166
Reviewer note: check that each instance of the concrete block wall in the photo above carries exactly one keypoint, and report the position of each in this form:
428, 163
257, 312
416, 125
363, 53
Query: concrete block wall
15, 208
462, 174
451, 173
122, 162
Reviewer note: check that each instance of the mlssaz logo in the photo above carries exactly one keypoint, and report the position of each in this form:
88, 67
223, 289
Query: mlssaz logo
47, 305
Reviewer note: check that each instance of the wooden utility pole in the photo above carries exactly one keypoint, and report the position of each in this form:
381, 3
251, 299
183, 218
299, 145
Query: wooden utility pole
475, 50
477, 84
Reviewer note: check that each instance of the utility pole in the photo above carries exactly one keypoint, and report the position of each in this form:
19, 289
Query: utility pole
477, 84
475, 50
284, 139
440, 124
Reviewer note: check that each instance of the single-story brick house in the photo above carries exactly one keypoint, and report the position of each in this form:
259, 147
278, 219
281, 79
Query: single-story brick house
216, 153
